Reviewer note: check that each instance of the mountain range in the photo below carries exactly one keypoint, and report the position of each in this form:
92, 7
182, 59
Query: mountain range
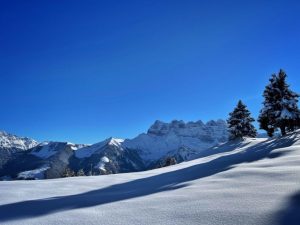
24, 158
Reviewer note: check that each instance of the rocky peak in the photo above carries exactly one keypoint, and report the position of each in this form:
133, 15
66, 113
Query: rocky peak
12, 141
190, 129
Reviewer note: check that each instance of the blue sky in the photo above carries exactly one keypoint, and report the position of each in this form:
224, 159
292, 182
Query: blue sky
85, 70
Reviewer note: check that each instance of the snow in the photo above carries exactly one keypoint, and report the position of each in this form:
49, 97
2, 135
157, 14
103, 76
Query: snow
105, 159
33, 174
12, 141
155, 147
87, 151
46, 151
116, 141
166, 138
163, 138
101, 164
286, 114
75, 147
252, 182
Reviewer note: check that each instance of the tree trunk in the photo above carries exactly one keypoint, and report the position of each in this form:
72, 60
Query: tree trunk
270, 132
282, 129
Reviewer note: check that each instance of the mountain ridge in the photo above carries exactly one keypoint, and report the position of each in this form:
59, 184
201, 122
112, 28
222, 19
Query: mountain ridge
8, 140
178, 139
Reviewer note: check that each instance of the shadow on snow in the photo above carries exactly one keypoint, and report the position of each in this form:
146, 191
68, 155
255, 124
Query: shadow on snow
146, 186
290, 215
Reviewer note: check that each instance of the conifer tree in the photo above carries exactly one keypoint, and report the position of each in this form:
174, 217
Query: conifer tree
280, 106
80, 173
240, 122
170, 161
68, 173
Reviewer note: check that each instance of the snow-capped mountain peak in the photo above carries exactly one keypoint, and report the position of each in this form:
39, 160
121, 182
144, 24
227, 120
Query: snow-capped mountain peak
12, 141
47, 149
90, 150
189, 129
163, 138
115, 141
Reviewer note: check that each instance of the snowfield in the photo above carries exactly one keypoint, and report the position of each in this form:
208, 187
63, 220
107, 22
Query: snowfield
254, 181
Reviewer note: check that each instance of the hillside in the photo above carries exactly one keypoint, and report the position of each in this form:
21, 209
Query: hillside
253, 181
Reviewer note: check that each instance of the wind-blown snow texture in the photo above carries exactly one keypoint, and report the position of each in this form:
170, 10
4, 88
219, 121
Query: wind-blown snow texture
255, 181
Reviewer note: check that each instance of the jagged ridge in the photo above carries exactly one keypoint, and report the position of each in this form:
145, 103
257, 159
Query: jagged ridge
177, 139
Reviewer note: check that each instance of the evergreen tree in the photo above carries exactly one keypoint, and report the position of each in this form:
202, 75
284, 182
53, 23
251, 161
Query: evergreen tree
80, 173
267, 117
280, 106
170, 161
240, 122
103, 172
68, 173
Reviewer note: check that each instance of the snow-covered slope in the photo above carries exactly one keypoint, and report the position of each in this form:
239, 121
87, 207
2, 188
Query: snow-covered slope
55, 158
46, 150
252, 182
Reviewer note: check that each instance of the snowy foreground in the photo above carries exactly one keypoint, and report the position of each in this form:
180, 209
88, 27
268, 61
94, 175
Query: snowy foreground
256, 181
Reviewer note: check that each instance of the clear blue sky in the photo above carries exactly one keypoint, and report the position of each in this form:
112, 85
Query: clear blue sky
85, 70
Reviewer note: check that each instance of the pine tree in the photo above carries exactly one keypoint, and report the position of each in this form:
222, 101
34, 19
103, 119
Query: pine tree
80, 173
169, 161
267, 117
68, 173
240, 122
280, 106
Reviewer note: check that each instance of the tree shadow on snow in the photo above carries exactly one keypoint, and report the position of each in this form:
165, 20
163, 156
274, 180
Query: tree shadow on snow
290, 215
141, 187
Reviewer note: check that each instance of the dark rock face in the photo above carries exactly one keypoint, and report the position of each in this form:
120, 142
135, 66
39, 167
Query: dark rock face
59, 161
211, 130
7, 154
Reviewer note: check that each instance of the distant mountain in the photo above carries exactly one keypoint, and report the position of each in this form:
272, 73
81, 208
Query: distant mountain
176, 139
12, 141
11, 144
45, 160
118, 159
